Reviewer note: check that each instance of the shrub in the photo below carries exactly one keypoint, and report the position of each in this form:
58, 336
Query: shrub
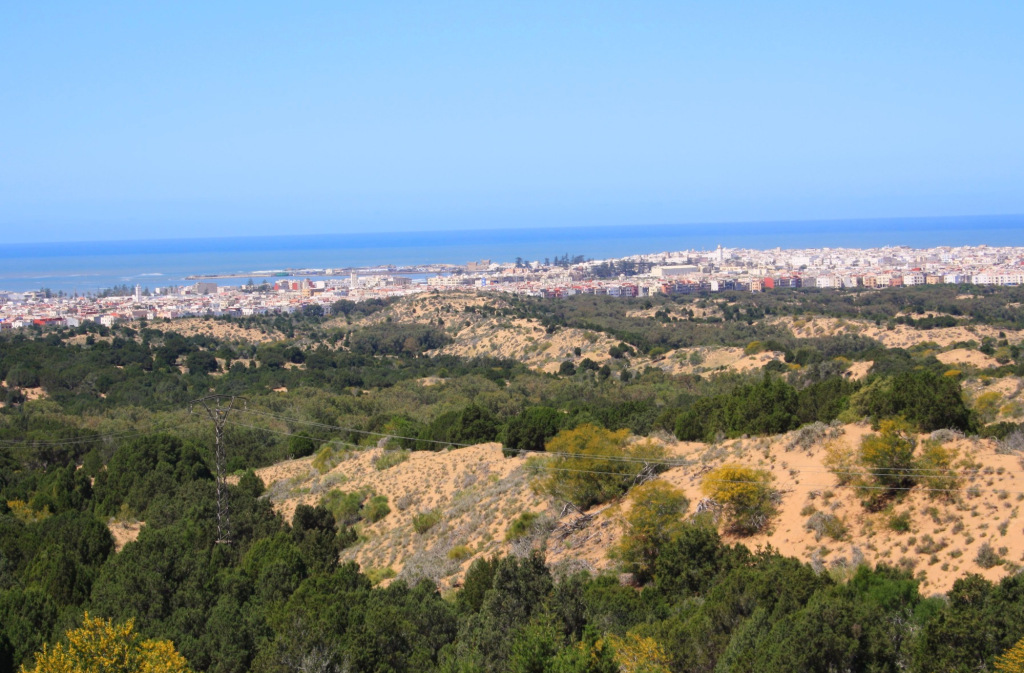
1012, 443
841, 460
925, 399
300, 446
375, 509
589, 468
987, 556
655, 517
745, 493
521, 526
102, 645
327, 458
346, 507
529, 430
936, 468
767, 407
828, 525
378, 575
424, 521
900, 522
390, 458
460, 552
987, 406
889, 455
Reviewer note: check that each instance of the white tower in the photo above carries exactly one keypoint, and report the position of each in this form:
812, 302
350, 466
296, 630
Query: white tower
138, 294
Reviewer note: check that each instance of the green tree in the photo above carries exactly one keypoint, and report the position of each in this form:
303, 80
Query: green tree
201, 362
592, 465
529, 430
655, 516
889, 455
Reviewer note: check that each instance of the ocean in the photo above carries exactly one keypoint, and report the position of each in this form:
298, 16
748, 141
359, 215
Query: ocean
91, 266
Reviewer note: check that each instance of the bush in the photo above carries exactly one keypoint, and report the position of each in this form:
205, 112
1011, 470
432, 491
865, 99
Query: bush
590, 468
936, 469
460, 553
900, 522
378, 575
655, 517
1012, 443
521, 526
100, 645
987, 556
328, 457
841, 460
925, 399
390, 458
424, 521
745, 493
889, 455
375, 509
828, 525
768, 407
346, 507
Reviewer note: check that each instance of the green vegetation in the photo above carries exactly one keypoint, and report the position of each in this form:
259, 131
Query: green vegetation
655, 517
521, 526
391, 458
591, 465
745, 494
113, 438
424, 521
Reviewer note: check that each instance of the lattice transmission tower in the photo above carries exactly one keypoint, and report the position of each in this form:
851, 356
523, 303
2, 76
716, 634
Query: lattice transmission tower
218, 407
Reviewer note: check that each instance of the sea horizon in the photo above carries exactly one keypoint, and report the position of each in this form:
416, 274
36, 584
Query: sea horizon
91, 266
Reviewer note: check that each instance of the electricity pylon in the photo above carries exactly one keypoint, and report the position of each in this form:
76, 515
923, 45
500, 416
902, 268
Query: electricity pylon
218, 407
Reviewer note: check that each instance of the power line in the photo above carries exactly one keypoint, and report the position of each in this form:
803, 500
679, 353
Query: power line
63, 442
352, 429
878, 471
555, 468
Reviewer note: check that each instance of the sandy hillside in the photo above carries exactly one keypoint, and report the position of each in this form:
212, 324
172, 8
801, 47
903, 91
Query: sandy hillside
221, 330
965, 356
703, 359
901, 336
480, 493
528, 342
476, 335
476, 489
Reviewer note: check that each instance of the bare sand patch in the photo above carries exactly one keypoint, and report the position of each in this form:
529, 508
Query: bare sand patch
965, 356
858, 371
124, 532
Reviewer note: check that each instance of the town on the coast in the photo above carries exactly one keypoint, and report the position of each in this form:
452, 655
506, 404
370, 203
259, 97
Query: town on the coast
688, 272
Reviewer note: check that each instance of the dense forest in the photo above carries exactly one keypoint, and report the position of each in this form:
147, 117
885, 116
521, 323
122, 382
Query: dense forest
116, 436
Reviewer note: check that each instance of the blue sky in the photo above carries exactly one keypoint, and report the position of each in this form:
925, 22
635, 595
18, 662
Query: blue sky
156, 120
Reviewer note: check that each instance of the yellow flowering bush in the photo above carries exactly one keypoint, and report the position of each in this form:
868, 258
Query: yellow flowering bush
101, 646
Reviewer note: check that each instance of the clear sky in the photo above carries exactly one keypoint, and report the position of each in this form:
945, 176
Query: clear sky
155, 120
